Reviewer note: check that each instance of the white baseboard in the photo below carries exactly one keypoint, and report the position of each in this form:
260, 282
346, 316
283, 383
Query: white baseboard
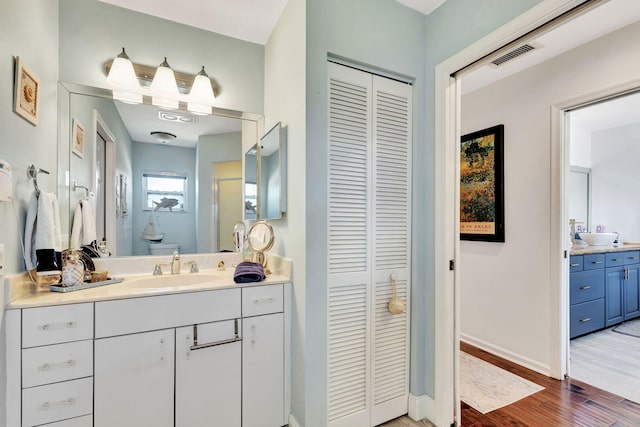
508, 355
421, 407
293, 422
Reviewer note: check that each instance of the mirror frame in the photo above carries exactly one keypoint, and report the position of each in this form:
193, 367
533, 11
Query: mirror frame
65, 91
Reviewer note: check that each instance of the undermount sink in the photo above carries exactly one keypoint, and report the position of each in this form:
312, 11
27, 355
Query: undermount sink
173, 280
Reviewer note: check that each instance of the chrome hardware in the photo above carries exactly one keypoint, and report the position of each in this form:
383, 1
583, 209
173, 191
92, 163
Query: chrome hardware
194, 266
48, 366
175, 262
263, 300
574, 265
253, 334
596, 262
616, 259
197, 346
54, 326
66, 402
585, 287
157, 271
585, 319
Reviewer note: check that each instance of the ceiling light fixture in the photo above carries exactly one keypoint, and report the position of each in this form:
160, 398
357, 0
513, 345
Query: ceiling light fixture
163, 137
161, 86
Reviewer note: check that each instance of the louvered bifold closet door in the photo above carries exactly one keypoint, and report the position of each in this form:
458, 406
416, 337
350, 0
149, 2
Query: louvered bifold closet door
349, 249
392, 114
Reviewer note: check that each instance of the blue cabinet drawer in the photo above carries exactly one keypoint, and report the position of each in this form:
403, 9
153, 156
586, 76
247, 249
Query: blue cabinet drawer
586, 317
593, 261
614, 259
631, 257
575, 263
586, 286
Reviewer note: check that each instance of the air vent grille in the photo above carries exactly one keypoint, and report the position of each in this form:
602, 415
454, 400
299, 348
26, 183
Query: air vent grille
513, 54
171, 116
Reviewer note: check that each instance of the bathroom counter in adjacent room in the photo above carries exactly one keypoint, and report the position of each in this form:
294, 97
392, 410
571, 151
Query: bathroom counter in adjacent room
586, 250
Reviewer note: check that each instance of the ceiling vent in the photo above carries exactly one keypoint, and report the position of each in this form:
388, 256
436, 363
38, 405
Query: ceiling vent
513, 54
171, 116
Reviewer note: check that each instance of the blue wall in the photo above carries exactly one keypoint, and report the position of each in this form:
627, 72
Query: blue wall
178, 227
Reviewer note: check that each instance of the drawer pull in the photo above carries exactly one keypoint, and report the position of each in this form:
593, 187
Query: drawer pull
596, 262
616, 259
49, 405
585, 319
49, 366
55, 326
197, 346
585, 287
263, 301
574, 265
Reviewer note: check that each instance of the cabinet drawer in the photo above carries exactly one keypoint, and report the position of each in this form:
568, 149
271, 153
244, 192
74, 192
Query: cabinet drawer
614, 259
259, 300
586, 286
167, 311
631, 257
86, 421
54, 325
55, 363
575, 263
586, 317
593, 261
55, 402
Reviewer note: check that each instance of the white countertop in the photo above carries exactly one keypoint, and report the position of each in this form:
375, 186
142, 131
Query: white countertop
23, 295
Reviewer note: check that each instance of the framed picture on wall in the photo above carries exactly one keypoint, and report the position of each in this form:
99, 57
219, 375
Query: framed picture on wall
27, 92
482, 185
77, 138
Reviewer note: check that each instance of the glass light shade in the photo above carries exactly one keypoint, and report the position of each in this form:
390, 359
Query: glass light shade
201, 97
122, 79
164, 89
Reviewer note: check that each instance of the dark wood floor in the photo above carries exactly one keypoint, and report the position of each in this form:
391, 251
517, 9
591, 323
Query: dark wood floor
561, 403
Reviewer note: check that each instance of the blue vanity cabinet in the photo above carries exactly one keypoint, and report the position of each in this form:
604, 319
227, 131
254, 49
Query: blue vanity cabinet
622, 287
586, 294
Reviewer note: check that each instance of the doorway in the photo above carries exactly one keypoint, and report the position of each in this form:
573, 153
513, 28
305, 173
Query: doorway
528, 310
105, 183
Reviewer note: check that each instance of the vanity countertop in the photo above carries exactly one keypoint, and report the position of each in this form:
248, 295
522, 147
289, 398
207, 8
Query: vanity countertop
586, 250
128, 289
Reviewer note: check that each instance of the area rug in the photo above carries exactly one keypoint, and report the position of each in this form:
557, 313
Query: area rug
629, 328
485, 387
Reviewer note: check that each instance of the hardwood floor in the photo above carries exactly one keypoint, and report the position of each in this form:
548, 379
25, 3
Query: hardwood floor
561, 403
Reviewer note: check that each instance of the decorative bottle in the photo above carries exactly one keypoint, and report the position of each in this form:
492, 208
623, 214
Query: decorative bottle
73, 270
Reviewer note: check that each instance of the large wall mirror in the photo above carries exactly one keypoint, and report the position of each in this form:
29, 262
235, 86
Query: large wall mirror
157, 179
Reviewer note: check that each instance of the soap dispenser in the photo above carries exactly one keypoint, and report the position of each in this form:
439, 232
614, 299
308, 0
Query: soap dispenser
72, 270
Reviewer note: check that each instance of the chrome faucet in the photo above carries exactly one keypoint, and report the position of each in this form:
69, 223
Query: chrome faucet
175, 262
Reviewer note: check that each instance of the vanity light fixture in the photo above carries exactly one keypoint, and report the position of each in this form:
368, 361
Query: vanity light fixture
201, 97
122, 78
164, 89
161, 86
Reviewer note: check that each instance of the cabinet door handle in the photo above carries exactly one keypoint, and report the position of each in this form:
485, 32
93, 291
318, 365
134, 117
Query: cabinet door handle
49, 366
596, 262
55, 326
585, 287
197, 346
585, 319
574, 265
66, 402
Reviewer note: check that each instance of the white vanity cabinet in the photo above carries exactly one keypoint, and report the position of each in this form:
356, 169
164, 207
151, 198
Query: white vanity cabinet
191, 359
134, 380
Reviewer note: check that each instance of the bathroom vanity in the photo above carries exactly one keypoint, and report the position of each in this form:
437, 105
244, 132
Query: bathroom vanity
604, 287
208, 352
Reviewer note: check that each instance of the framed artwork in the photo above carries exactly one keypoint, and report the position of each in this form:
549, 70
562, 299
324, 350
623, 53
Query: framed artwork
27, 92
482, 185
77, 138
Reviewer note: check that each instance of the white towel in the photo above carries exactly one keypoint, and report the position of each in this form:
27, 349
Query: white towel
42, 227
83, 230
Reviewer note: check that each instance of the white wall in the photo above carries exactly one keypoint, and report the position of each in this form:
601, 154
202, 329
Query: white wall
506, 289
284, 95
580, 148
224, 147
615, 176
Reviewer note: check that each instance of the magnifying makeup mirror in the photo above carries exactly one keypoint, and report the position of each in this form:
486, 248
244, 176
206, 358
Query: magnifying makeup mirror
260, 239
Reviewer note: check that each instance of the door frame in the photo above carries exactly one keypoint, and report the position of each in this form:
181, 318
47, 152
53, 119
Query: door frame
445, 404
102, 128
